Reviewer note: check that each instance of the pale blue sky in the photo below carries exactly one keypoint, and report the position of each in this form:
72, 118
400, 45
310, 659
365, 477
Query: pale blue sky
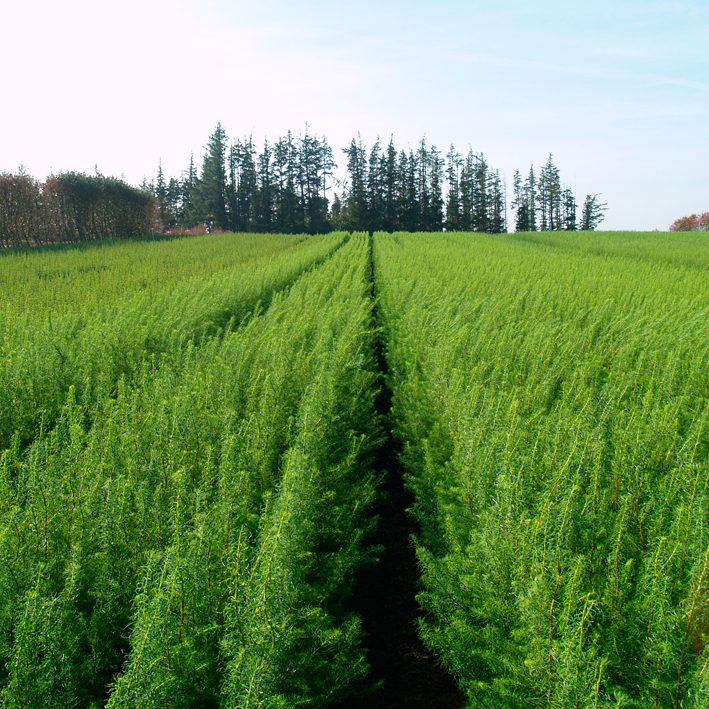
617, 91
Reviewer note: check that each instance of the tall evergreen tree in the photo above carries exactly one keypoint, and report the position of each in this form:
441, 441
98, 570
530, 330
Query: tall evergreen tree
161, 196
481, 195
316, 165
210, 198
375, 188
173, 204
467, 192
232, 184
409, 195
390, 188
549, 191
530, 188
519, 203
453, 206
266, 191
188, 215
592, 213
434, 214
285, 161
568, 207
422, 184
245, 157
357, 203
496, 204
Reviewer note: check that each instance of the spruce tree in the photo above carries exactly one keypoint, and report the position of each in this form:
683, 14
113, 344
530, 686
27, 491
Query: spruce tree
161, 196
285, 168
549, 205
265, 196
246, 186
481, 196
530, 189
188, 216
375, 189
211, 187
592, 213
315, 166
454, 164
390, 188
357, 207
520, 204
568, 205
434, 217
467, 192
496, 204
423, 186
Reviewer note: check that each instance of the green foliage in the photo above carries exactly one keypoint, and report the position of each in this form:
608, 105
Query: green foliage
186, 486
46, 649
129, 522
93, 345
550, 393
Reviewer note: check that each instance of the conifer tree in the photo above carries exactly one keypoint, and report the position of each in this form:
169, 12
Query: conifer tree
530, 189
316, 165
434, 216
549, 204
480, 197
188, 187
592, 213
496, 204
244, 156
284, 168
375, 188
357, 206
390, 188
519, 203
211, 187
265, 195
161, 195
467, 192
568, 206
408, 195
232, 207
423, 187
453, 207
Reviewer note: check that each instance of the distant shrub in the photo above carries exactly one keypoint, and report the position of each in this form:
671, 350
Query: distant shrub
197, 230
693, 222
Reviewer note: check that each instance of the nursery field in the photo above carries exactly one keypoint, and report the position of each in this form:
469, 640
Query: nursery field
194, 477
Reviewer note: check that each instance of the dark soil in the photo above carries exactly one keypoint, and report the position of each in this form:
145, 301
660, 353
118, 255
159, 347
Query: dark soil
404, 672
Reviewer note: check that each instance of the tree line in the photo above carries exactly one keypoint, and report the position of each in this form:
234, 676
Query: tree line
290, 186
71, 207
282, 188
542, 202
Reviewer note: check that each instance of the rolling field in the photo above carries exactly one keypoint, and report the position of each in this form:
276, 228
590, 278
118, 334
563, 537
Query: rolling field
189, 491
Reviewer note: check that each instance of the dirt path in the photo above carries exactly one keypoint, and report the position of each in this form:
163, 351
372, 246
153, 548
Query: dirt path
405, 673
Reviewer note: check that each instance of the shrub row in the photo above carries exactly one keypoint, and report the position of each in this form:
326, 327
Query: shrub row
191, 541
71, 207
551, 400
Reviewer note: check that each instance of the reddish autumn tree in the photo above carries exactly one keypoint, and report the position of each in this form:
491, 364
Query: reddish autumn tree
692, 222
20, 204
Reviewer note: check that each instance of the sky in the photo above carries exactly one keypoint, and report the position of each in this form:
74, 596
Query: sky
616, 90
